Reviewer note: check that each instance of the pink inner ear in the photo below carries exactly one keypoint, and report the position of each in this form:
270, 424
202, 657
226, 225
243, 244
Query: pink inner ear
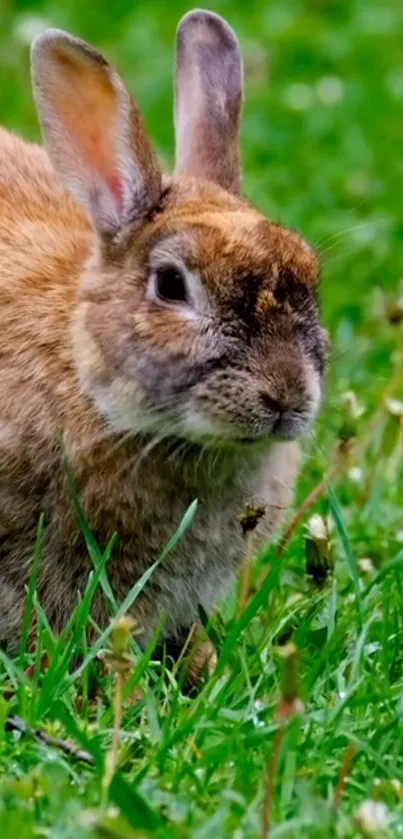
99, 153
82, 96
115, 185
87, 125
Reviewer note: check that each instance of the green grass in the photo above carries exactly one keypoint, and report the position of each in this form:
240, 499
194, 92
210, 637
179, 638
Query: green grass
198, 768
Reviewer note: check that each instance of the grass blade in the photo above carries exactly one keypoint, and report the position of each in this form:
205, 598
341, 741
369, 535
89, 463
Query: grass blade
351, 560
136, 590
94, 551
29, 602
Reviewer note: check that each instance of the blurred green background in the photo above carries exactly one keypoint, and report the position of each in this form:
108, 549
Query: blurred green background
322, 135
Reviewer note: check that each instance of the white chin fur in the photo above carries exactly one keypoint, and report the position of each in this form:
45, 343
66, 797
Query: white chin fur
122, 409
196, 424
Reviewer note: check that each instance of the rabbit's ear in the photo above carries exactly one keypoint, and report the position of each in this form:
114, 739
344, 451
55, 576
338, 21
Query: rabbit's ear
94, 132
208, 99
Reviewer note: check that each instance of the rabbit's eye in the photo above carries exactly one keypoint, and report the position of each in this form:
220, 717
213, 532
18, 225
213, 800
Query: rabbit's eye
170, 285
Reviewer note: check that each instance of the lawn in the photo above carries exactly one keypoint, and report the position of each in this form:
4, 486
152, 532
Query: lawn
302, 724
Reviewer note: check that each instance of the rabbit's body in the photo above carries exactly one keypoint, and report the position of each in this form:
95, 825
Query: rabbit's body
128, 486
160, 330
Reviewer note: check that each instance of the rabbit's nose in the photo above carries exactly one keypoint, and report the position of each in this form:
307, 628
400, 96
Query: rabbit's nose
286, 418
274, 405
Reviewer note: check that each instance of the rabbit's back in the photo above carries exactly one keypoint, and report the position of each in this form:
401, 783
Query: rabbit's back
41, 227
44, 239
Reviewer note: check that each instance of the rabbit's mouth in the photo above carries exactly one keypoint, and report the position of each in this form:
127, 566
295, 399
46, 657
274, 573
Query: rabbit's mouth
276, 425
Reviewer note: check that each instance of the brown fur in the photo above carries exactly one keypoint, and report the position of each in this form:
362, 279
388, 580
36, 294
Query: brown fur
129, 386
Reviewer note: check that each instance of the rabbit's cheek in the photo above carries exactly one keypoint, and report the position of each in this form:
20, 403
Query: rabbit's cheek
196, 423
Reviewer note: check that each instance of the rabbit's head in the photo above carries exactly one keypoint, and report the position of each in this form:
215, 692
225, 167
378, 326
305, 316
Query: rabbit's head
196, 316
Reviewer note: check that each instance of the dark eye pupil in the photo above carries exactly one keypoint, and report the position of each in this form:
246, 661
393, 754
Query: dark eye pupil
170, 285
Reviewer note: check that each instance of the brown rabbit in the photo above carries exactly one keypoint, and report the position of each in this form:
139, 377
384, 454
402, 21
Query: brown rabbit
160, 326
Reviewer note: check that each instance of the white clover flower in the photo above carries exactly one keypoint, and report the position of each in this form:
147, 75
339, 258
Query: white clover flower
317, 527
27, 27
366, 565
330, 89
299, 96
397, 787
355, 474
395, 407
372, 818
